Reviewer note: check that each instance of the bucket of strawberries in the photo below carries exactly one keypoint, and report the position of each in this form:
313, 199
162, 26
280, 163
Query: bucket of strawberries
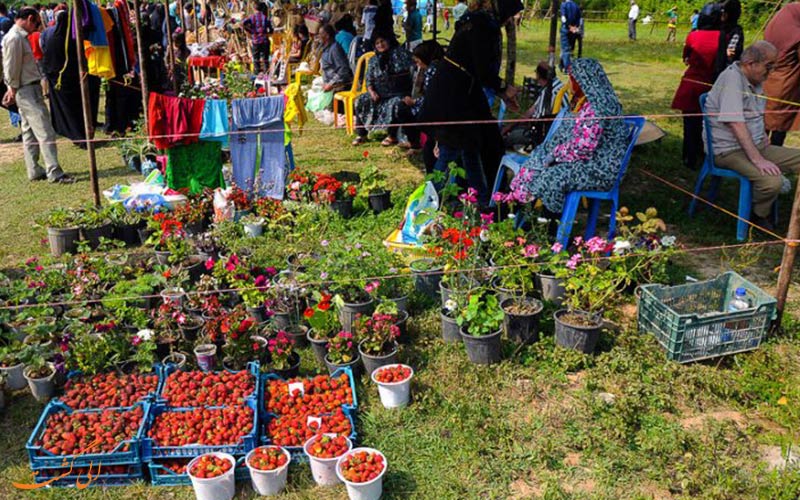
269, 468
394, 384
362, 470
323, 452
212, 476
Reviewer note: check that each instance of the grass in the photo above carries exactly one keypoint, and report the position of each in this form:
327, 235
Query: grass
540, 425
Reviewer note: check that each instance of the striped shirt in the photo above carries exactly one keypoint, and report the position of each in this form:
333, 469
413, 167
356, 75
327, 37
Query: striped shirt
259, 26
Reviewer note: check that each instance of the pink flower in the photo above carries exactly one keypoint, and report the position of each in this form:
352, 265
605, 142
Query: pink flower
136, 340
209, 264
458, 215
578, 240
556, 248
32, 260
260, 282
572, 263
372, 286
499, 197
487, 218
39, 268
596, 244
508, 244
531, 251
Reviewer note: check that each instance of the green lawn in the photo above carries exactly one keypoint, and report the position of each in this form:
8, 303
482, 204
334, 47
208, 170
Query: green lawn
538, 425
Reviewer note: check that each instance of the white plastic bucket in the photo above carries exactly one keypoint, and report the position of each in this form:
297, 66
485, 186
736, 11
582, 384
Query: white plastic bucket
394, 394
216, 488
269, 482
324, 469
371, 490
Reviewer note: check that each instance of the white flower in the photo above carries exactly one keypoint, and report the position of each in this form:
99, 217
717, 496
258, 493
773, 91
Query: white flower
484, 235
450, 305
668, 240
145, 334
542, 220
512, 216
621, 246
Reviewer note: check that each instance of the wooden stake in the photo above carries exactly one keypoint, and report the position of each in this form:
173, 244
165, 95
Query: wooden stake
88, 123
143, 56
789, 253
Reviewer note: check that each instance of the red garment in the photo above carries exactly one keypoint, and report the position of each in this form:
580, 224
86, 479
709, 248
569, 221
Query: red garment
33, 38
174, 120
783, 83
124, 17
700, 51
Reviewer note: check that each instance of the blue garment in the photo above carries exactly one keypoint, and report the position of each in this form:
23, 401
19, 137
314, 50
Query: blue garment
471, 163
344, 38
264, 115
15, 118
97, 35
570, 14
413, 26
215, 121
566, 49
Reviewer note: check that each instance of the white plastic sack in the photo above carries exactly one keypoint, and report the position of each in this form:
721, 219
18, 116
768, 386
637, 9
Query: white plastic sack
223, 209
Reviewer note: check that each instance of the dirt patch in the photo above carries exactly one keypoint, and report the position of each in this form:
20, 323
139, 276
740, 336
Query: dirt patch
572, 459
653, 491
575, 380
522, 489
584, 486
10, 152
697, 422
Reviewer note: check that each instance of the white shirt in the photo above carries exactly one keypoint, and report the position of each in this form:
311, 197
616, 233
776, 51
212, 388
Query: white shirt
634, 12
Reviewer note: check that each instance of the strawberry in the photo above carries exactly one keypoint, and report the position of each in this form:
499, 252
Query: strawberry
198, 388
361, 466
322, 394
107, 390
218, 426
294, 431
88, 433
268, 458
208, 466
328, 447
393, 374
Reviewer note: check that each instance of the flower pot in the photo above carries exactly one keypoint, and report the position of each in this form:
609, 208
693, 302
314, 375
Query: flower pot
42, 388
298, 335
176, 358
348, 312
450, 329
369, 490
483, 350
194, 228
93, 234
144, 234
293, 370
373, 362
258, 313
582, 338
378, 202
448, 292
195, 268
551, 288
165, 347
354, 365
318, 346
401, 302
2, 398
504, 293
254, 229
62, 240
394, 394
522, 324
269, 482
15, 380
162, 257
216, 488
127, 233
282, 320
402, 324
426, 276
263, 353
191, 329
343, 207
206, 355
174, 294
324, 469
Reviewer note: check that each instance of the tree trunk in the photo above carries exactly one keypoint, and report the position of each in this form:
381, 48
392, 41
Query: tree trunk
511, 51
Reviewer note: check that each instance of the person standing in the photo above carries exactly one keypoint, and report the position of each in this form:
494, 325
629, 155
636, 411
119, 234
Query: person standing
672, 23
260, 27
633, 15
570, 28
783, 85
413, 25
22, 77
459, 10
731, 36
693, 20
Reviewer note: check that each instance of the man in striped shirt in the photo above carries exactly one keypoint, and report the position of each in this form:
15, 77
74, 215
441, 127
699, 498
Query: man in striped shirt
529, 134
259, 26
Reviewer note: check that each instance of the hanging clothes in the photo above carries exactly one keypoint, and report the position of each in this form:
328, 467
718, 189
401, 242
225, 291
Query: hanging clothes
215, 121
60, 66
123, 101
195, 166
266, 115
98, 53
174, 120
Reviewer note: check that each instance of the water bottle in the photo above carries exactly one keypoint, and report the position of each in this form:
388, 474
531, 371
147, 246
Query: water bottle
739, 301
737, 330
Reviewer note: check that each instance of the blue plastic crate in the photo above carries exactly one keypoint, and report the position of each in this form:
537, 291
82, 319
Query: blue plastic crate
150, 397
161, 476
166, 370
133, 474
298, 455
345, 370
151, 451
40, 458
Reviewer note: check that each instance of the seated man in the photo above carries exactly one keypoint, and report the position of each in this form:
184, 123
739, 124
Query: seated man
735, 106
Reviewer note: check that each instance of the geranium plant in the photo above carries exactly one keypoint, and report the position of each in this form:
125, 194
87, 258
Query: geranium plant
237, 328
341, 349
281, 350
328, 189
376, 333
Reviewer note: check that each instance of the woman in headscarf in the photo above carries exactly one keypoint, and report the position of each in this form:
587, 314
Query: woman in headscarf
61, 70
388, 80
582, 154
427, 56
731, 36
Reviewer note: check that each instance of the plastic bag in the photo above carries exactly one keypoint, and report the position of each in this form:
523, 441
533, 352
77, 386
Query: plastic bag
223, 209
318, 100
421, 205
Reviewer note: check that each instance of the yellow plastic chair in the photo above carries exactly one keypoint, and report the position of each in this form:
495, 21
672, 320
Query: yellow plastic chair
348, 97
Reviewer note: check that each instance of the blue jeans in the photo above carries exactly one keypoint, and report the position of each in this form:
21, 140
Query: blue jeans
566, 50
471, 162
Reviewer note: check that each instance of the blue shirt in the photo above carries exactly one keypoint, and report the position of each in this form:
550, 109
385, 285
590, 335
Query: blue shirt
570, 14
344, 38
413, 26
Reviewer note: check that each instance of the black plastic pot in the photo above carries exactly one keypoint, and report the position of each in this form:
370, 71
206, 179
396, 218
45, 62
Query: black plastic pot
258, 313
128, 234
426, 278
504, 293
450, 329
93, 234
144, 234
293, 370
62, 240
281, 320
163, 349
354, 365
402, 324
447, 292
483, 350
550, 287
372, 362
318, 347
381, 201
194, 229
298, 334
343, 207
580, 338
196, 269
349, 311
190, 331
522, 327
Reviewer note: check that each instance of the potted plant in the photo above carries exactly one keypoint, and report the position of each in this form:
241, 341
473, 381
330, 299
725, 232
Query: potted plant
192, 215
94, 223
448, 315
62, 230
135, 148
342, 352
377, 340
284, 360
238, 327
11, 366
480, 321
253, 291
253, 225
552, 273
208, 246
427, 273
323, 323
373, 187
241, 202
92, 354
167, 321
2, 392
126, 224
39, 373
144, 351
335, 193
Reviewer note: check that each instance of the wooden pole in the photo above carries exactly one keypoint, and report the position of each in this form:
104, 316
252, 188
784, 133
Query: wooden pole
789, 253
205, 21
88, 123
511, 50
143, 57
554, 10
170, 52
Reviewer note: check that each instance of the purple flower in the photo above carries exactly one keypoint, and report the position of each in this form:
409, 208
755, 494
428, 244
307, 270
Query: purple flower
324, 243
556, 248
572, 263
499, 197
323, 275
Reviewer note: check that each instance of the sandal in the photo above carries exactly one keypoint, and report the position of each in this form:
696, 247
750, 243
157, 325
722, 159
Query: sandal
389, 141
358, 141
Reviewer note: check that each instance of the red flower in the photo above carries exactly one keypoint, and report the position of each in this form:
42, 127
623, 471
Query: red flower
245, 325
351, 190
365, 154
167, 273
324, 306
308, 313
256, 346
460, 255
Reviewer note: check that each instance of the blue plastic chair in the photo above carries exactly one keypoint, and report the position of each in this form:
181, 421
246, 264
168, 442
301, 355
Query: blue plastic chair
709, 168
636, 123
